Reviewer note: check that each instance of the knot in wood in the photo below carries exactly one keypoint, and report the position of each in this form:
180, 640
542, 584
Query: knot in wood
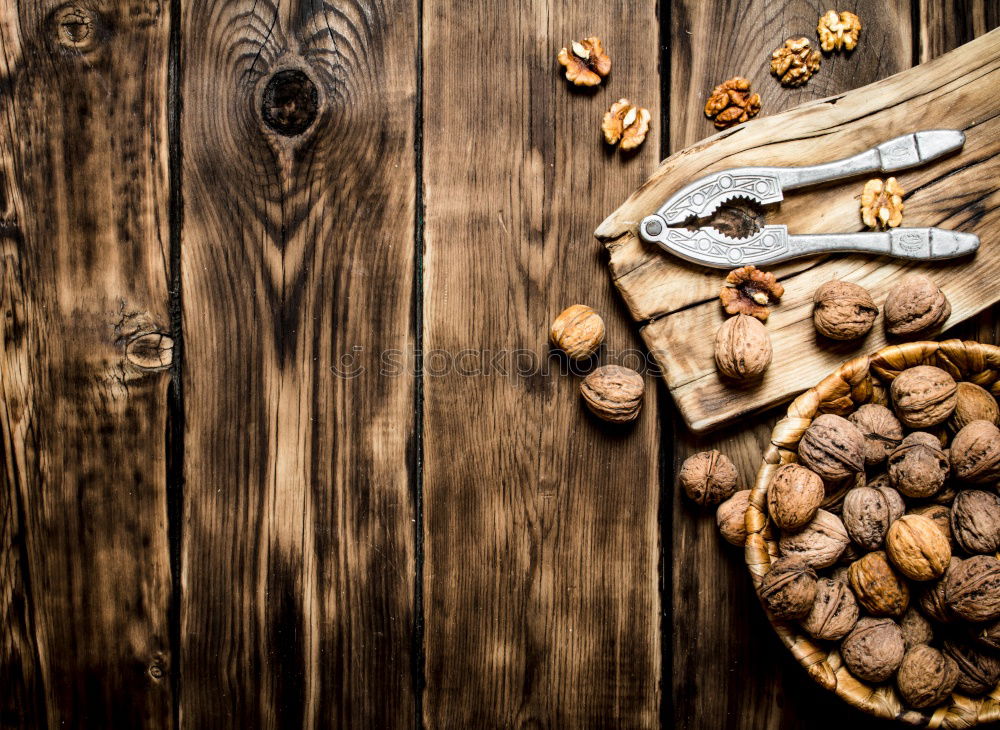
75, 27
290, 103
150, 351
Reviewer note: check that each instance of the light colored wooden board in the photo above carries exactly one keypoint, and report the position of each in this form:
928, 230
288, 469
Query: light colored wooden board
955, 91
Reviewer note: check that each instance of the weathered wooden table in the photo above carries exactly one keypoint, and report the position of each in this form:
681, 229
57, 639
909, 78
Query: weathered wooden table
283, 442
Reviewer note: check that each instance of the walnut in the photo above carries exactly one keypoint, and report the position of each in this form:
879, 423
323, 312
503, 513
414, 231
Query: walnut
789, 589
915, 307
585, 61
975, 453
879, 589
578, 331
742, 348
975, 521
869, 512
834, 612
939, 514
924, 396
708, 477
979, 670
795, 62
732, 103
793, 496
987, 635
843, 311
874, 650
926, 676
833, 447
613, 393
919, 466
626, 122
974, 403
972, 588
838, 30
882, 431
731, 518
882, 204
916, 629
917, 548
933, 602
819, 543
748, 290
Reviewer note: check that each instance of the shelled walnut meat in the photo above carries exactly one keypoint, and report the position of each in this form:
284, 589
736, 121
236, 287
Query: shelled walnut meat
915, 307
585, 62
882, 431
578, 331
625, 124
973, 403
748, 290
874, 650
833, 447
613, 393
924, 396
975, 453
732, 102
730, 517
795, 62
708, 477
843, 310
918, 467
742, 348
793, 496
882, 204
838, 31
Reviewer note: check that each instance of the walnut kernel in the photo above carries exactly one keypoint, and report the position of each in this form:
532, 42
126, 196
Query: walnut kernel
578, 331
838, 30
915, 307
732, 103
626, 122
708, 477
795, 62
613, 393
882, 204
585, 61
843, 311
742, 348
924, 396
748, 290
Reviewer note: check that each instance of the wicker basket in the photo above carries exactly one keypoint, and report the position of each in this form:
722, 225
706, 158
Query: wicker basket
858, 381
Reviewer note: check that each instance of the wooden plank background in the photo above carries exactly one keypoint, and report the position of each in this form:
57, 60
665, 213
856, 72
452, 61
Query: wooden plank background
283, 442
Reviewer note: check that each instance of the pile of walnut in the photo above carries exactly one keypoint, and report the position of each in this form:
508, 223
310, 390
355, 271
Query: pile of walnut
888, 528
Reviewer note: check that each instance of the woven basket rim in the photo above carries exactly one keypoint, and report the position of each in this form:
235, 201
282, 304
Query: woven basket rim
863, 379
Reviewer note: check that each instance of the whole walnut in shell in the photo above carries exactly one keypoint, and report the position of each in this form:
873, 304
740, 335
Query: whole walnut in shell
731, 518
789, 589
924, 396
874, 650
794, 495
979, 670
973, 403
975, 453
917, 548
918, 467
939, 514
834, 611
879, 589
882, 431
868, 512
708, 477
933, 602
915, 307
916, 629
742, 348
578, 331
988, 635
975, 521
819, 544
833, 447
972, 588
613, 393
926, 676
843, 311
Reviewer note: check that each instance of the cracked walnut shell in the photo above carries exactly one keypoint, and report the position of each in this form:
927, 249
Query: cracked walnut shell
924, 396
748, 290
627, 123
578, 331
585, 61
843, 311
742, 348
838, 30
915, 306
708, 477
882, 204
613, 393
795, 62
732, 103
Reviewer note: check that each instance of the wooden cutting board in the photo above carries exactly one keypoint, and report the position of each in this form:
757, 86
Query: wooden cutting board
677, 302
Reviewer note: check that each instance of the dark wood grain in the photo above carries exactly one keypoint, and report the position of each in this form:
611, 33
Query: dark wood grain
541, 596
728, 667
297, 262
84, 269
